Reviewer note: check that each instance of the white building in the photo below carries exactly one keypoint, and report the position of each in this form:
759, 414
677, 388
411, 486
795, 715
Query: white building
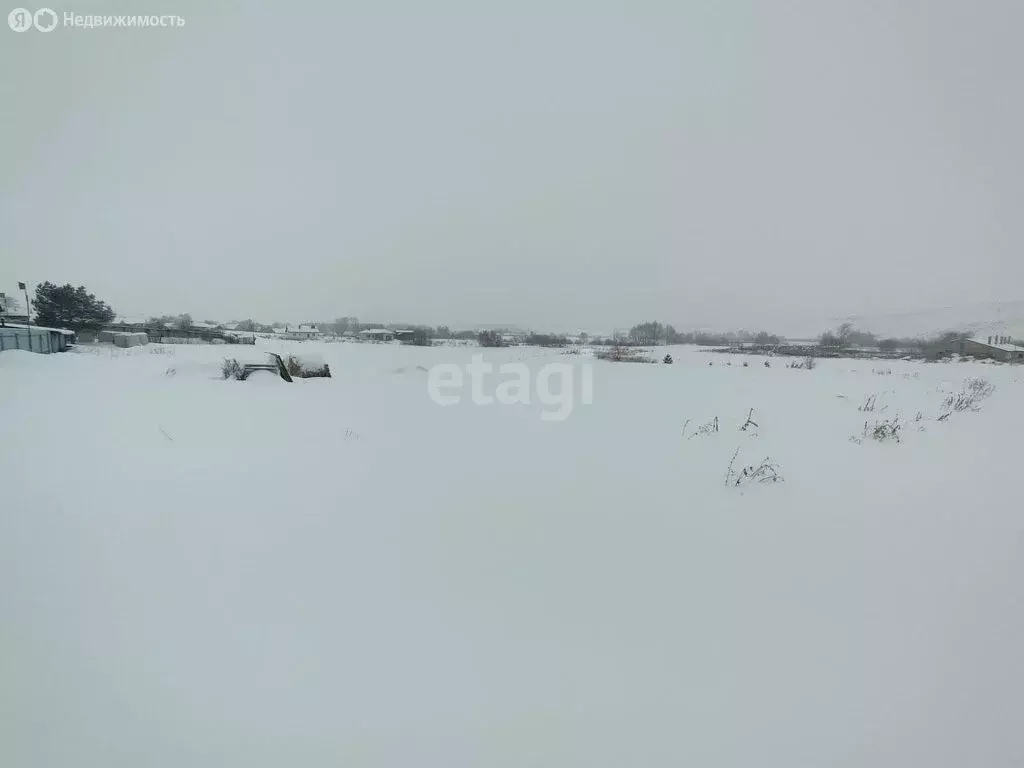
992, 347
301, 333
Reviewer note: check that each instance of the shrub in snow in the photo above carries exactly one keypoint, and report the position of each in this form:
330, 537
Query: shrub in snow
705, 429
882, 431
749, 422
870, 405
766, 471
231, 369
886, 430
980, 388
810, 363
667, 360
307, 367
967, 399
621, 354
960, 401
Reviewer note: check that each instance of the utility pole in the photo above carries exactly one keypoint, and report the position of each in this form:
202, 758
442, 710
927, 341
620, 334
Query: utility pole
28, 315
28, 308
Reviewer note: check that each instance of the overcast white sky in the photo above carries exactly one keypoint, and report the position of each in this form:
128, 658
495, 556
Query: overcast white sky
554, 164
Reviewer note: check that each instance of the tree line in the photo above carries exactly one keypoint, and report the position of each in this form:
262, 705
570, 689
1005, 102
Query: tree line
74, 307
652, 332
847, 336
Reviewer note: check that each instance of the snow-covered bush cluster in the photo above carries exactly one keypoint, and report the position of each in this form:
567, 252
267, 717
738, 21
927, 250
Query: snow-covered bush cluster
882, 431
975, 389
888, 429
623, 354
765, 471
231, 369
708, 428
307, 367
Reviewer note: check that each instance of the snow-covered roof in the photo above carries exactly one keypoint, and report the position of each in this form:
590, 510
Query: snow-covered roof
203, 325
65, 331
307, 329
375, 331
1003, 347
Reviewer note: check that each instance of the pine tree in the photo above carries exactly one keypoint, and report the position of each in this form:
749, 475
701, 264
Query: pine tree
64, 306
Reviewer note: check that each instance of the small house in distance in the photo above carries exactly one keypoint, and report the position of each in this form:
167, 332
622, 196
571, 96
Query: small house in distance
991, 347
377, 334
303, 333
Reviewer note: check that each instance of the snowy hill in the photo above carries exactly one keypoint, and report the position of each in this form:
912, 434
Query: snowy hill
1003, 318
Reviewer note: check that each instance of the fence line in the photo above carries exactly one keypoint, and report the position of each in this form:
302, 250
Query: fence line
16, 338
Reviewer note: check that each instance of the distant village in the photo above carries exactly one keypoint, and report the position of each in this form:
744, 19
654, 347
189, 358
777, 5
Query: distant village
88, 320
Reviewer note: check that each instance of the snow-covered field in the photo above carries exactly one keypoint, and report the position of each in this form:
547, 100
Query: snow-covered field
340, 572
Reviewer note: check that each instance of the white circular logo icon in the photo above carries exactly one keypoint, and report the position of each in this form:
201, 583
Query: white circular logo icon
20, 20
45, 20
